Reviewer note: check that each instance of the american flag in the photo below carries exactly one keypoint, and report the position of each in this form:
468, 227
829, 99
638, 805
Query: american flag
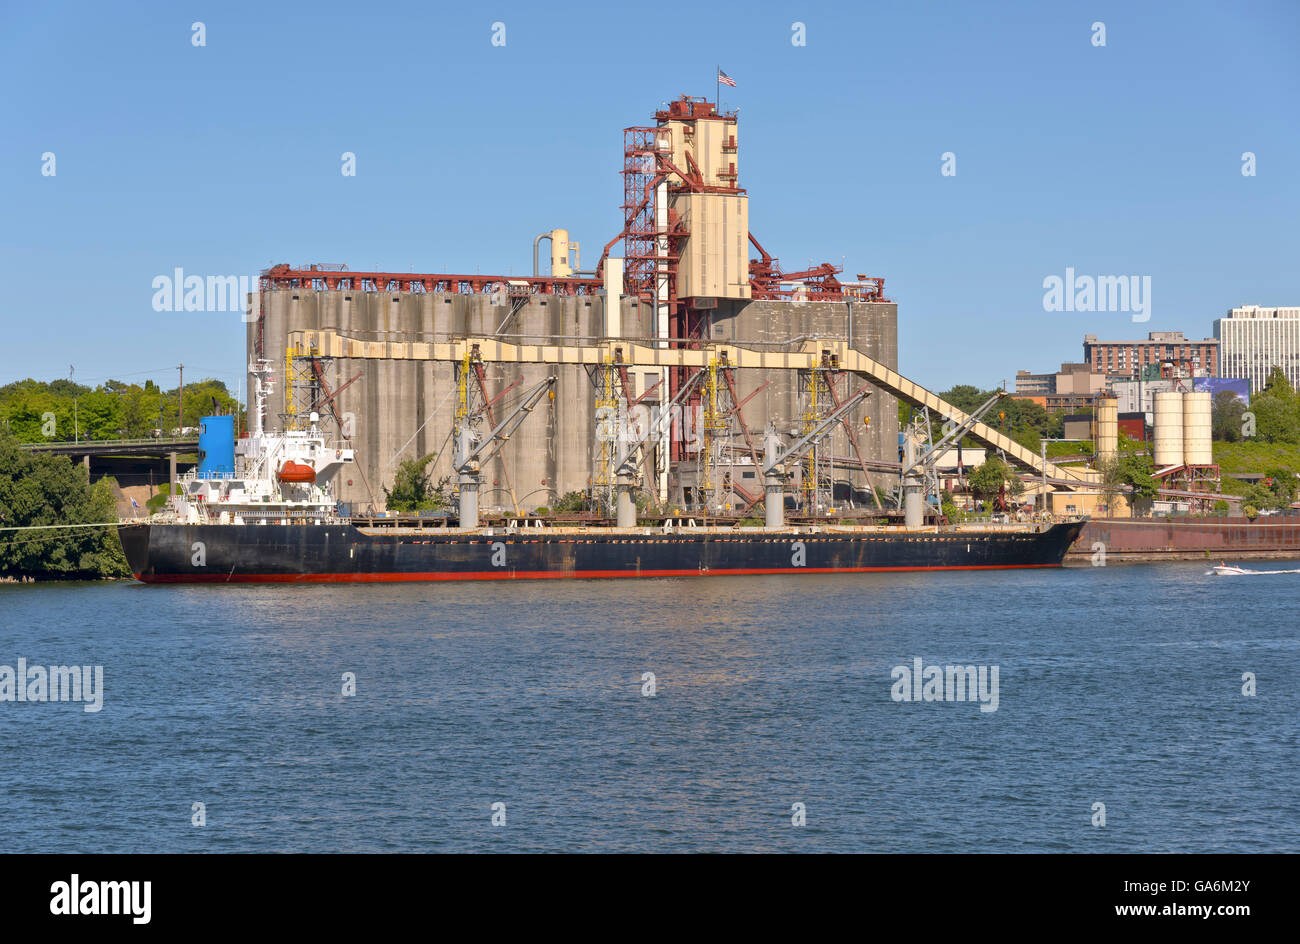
726, 79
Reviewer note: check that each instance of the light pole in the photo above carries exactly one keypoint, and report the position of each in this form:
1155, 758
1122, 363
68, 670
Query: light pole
1042, 445
76, 434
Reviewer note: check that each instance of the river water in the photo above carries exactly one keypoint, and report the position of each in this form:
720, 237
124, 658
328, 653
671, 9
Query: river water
773, 701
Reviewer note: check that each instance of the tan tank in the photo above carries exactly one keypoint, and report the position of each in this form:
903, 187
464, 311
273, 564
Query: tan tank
1107, 432
560, 268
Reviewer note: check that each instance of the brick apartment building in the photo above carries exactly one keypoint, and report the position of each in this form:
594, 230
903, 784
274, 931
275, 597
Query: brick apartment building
1126, 359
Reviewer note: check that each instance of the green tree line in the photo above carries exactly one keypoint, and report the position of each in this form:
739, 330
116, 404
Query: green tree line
38, 489
1022, 420
60, 410
1272, 417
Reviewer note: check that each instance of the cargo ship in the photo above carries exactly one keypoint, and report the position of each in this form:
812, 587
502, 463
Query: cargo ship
262, 510
328, 551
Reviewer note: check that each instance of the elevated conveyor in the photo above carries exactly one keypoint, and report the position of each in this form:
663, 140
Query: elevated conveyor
806, 355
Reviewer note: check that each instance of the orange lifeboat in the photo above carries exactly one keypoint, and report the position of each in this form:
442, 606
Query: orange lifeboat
296, 472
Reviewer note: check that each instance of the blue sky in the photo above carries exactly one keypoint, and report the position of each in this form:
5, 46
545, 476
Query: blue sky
1122, 160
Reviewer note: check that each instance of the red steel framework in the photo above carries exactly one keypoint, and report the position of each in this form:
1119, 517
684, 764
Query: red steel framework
333, 276
337, 277
643, 172
651, 252
818, 284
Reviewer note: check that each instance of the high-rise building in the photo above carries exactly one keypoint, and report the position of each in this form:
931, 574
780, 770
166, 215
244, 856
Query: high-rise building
1255, 339
1129, 358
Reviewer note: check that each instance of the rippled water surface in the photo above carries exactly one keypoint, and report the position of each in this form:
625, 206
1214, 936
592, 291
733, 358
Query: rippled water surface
1119, 685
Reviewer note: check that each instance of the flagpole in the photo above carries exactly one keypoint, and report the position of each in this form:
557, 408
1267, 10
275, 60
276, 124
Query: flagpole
717, 89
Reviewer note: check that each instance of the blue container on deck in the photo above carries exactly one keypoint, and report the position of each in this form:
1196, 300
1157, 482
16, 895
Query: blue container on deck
216, 446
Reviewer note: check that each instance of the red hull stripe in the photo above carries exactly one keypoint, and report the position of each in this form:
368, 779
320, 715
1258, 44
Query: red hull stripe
547, 574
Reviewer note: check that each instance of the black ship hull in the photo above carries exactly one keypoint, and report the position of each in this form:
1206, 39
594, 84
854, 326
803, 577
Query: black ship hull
177, 553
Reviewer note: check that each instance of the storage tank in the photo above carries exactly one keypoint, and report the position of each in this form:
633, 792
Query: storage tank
216, 445
1197, 433
560, 268
1107, 428
1169, 429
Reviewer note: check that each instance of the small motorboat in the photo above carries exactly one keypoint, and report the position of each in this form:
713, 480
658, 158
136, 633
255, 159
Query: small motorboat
1224, 570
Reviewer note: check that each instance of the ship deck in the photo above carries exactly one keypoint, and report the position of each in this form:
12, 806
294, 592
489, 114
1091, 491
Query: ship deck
688, 529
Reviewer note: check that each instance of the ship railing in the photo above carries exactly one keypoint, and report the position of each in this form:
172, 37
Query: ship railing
989, 523
264, 465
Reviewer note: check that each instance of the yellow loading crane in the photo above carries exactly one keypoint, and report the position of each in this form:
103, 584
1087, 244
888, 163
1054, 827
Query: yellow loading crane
471, 451
775, 457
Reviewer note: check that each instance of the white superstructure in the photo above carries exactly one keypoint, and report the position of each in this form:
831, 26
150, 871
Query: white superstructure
279, 478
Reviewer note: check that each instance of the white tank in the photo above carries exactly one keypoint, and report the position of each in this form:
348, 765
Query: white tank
1169, 429
1197, 432
1107, 427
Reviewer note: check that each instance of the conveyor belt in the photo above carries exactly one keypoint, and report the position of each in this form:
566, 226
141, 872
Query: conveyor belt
633, 353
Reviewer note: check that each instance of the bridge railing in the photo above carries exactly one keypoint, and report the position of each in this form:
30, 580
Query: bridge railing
60, 444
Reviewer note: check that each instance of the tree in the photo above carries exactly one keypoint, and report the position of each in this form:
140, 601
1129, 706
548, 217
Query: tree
1130, 476
38, 489
1258, 495
99, 415
988, 481
1023, 420
1275, 420
1226, 414
1283, 483
35, 411
202, 398
965, 397
1030, 438
571, 501
139, 410
1277, 412
1278, 386
950, 509
1112, 483
412, 490
1135, 471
